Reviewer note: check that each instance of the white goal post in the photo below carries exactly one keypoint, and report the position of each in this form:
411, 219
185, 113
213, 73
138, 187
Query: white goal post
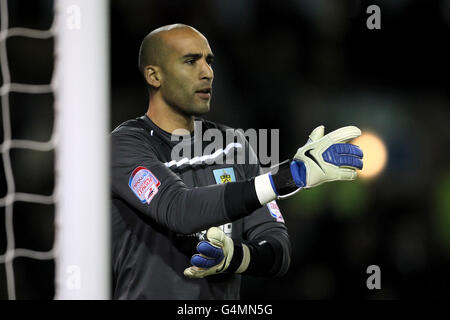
81, 86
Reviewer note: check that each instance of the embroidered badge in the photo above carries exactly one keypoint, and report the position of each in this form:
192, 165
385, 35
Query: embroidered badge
275, 211
144, 184
224, 175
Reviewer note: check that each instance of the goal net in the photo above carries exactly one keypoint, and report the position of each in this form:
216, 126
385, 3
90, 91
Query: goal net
55, 153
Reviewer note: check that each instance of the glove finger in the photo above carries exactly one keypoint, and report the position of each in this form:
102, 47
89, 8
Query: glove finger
343, 154
344, 134
347, 149
188, 273
204, 262
216, 236
207, 249
347, 174
317, 133
350, 161
194, 272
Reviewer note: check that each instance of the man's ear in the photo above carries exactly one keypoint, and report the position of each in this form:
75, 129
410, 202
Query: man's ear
153, 76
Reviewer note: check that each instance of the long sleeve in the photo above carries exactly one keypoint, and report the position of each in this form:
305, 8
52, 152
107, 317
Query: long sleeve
145, 183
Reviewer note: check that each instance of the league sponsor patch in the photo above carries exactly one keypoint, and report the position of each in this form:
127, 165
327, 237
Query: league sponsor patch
224, 175
144, 184
275, 211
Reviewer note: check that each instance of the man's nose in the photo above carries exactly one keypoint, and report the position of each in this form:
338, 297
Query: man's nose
206, 71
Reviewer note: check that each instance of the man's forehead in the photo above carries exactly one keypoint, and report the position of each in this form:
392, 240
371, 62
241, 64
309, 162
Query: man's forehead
186, 40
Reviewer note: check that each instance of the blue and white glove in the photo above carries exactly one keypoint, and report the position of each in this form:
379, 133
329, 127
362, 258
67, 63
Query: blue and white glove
327, 158
322, 159
218, 254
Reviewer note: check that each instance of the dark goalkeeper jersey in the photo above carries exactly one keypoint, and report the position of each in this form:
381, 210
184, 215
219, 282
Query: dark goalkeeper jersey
161, 208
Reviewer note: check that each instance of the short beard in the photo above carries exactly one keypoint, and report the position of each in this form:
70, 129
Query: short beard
190, 113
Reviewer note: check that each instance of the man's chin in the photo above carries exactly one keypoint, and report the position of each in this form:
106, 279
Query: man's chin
193, 110
201, 110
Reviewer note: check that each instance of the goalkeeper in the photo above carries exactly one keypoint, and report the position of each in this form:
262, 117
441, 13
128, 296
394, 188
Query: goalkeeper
178, 230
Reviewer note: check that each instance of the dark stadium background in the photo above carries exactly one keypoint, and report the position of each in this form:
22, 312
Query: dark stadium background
290, 65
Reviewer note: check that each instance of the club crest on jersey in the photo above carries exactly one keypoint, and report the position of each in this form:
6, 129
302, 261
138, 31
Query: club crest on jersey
224, 175
275, 211
144, 184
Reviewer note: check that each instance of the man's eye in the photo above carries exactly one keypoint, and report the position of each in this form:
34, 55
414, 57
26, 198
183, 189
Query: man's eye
191, 61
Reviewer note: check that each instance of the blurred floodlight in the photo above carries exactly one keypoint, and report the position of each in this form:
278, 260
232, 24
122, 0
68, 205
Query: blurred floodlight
375, 154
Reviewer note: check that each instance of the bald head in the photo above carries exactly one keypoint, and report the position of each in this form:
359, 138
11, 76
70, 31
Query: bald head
176, 63
155, 48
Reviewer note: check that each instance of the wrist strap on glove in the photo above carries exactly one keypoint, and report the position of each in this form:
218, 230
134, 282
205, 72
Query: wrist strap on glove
241, 258
289, 178
284, 181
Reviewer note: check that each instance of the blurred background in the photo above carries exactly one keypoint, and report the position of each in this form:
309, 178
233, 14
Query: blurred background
289, 65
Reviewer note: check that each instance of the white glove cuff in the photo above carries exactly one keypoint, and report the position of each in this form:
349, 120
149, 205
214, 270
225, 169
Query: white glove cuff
245, 259
264, 189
